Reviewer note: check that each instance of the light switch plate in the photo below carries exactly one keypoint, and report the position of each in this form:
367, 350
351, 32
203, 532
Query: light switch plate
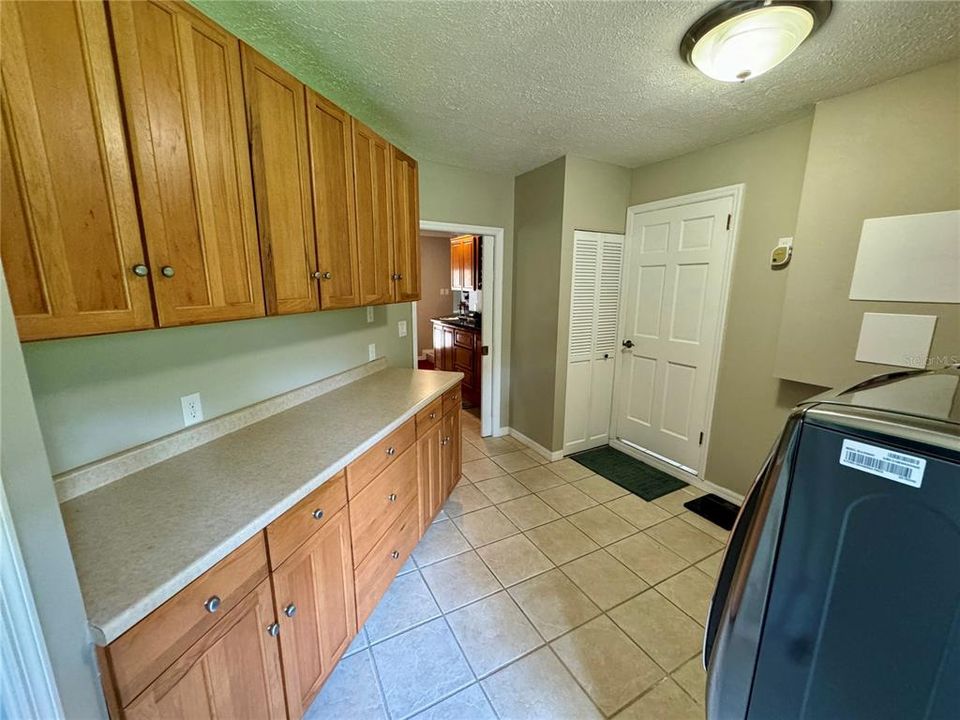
402, 328
369, 314
372, 350
192, 409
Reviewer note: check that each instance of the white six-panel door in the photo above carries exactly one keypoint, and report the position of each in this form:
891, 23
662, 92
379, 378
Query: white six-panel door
674, 277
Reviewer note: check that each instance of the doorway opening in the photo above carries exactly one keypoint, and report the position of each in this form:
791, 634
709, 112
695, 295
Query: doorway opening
459, 319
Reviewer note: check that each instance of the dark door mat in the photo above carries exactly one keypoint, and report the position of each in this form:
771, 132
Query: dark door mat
639, 478
715, 509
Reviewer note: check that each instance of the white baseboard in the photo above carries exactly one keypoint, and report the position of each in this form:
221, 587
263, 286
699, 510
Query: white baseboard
533, 445
676, 472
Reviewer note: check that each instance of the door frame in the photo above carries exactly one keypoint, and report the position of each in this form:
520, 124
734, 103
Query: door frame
735, 193
27, 672
491, 332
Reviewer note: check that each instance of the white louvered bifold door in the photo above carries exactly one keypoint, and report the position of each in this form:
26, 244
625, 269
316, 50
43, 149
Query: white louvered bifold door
594, 309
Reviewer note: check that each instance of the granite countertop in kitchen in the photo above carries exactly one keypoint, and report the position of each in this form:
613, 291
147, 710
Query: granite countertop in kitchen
139, 540
459, 322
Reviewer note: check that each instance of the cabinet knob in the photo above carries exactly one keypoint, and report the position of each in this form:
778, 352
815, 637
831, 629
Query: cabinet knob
327, 275
167, 271
140, 270
290, 610
395, 554
273, 629
445, 441
392, 497
433, 415
317, 514
212, 604
391, 451
399, 276
316, 275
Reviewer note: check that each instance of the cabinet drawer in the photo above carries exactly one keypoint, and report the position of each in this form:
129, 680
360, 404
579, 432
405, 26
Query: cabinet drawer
148, 648
429, 416
451, 399
381, 502
374, 574
366, 467
464, 339
287, 532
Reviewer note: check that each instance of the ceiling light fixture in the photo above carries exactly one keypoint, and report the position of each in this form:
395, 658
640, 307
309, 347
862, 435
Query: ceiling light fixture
741, 39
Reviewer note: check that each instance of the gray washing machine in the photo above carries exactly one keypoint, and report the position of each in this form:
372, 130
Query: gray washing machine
839, 594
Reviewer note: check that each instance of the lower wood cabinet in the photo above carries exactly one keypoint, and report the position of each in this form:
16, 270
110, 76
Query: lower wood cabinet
233, 671
257, 635
315, 609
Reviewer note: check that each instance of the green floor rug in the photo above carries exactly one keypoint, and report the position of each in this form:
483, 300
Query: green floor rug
629, 473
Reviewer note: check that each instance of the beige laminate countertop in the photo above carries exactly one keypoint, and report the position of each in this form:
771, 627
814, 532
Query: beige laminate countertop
139, 540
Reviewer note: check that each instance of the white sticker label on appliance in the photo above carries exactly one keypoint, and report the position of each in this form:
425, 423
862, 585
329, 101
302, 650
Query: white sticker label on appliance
896, 466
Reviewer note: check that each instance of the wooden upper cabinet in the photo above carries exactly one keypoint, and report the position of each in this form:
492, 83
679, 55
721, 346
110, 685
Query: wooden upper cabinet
69, 234
233, 671
406, 214
316, 608
277, 121
331, 168
372, 179
464, 263
183, 94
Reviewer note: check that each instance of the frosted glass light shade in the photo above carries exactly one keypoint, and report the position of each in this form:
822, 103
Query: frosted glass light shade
750, 44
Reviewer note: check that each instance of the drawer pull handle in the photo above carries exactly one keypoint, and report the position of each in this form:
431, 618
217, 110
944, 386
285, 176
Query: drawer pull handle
391, 451
290, 610
317, 514
212, 604
273, 629
392, 497
395, 554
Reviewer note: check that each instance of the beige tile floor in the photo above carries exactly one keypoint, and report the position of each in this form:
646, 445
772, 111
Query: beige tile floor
541, 591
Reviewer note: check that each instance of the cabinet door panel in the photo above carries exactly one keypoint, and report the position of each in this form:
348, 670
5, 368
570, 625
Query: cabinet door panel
450, 452
374, 214
456, 268
318, 580
430, 476
183, 96
70, 235
406, 213
468, 258
231, 672
331, 166
277, 119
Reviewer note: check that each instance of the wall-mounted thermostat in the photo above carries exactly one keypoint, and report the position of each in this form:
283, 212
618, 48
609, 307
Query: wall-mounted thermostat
782, 253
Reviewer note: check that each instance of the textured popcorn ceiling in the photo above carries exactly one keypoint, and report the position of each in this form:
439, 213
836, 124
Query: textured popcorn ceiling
508, 86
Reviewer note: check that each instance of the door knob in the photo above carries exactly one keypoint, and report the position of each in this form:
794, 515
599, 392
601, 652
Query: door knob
628, 343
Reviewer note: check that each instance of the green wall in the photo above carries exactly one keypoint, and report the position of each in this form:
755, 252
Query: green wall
751, 404
38, 528
452, 194
538, 225
99, 395
890, 149
594, 198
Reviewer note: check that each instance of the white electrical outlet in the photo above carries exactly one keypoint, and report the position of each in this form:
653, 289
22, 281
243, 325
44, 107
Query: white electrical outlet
192, 409
369, 314
402, 328
372, 350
